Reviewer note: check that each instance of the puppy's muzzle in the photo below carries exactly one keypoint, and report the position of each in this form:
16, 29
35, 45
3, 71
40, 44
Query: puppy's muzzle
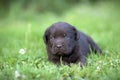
59, 46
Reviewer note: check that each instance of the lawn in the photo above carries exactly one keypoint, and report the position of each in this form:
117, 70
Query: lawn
23, 54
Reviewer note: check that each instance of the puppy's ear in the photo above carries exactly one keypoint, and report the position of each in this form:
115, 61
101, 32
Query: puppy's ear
77, 35
45, 37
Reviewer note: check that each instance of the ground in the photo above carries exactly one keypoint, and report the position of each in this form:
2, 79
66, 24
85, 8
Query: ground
23, 54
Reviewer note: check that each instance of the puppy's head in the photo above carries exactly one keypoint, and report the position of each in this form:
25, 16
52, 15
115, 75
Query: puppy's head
61, 38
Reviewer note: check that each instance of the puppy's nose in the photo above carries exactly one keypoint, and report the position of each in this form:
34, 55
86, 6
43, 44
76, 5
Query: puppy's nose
59, 46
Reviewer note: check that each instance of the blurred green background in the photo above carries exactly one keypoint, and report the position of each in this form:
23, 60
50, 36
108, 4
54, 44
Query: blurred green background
22, 25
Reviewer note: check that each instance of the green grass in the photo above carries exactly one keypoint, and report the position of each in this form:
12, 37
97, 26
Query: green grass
25, 30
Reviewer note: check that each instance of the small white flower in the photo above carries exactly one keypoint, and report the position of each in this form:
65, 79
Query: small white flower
22, 51
23, 76
99, 62
23, 62
17, 74
98, 68
111, 64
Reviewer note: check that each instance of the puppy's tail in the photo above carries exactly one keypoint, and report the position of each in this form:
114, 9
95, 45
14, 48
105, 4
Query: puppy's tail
94, 47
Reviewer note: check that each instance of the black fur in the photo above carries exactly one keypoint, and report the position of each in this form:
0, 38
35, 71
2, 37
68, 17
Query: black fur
64, 40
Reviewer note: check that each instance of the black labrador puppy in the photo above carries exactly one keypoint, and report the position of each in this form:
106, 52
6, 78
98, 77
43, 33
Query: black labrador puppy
65, 43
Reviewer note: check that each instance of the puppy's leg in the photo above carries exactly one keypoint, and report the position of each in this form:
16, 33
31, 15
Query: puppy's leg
82, 61
94, 46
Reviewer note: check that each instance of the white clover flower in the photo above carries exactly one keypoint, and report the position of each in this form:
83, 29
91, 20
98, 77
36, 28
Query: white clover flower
23, 76
111, 64
98, 68
22, 51
17, 74
99, 62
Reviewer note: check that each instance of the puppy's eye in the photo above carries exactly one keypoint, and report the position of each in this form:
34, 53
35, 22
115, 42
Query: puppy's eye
51, 37
64, 35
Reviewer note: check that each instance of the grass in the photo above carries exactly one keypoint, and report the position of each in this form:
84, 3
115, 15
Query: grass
25, 30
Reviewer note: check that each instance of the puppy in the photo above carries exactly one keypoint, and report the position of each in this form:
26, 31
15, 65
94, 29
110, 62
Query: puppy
65, 43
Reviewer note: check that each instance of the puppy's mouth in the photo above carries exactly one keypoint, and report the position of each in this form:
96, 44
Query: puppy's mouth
60, 52
59, 49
